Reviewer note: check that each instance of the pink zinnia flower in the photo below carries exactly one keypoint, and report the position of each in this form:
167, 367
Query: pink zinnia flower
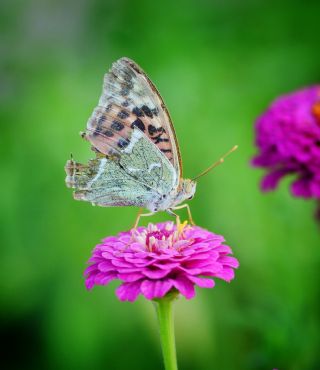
288, 138
157, 259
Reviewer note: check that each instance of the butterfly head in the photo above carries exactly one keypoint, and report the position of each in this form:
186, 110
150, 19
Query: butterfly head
185, 191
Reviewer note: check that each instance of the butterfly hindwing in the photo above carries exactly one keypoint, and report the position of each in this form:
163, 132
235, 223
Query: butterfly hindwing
129, 100
139, 177
111, 186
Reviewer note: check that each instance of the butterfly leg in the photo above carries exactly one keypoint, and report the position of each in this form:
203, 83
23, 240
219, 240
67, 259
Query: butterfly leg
140, 214
188, 210
178, 222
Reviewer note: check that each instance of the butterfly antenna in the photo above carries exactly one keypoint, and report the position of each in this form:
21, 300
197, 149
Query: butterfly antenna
216, 164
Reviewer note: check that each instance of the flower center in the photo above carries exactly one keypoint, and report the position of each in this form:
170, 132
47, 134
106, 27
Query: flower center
316, 111
159, 235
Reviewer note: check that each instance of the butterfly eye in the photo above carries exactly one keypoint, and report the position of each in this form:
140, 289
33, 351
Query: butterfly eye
190, 197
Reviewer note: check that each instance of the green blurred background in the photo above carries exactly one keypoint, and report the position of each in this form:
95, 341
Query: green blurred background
218, 64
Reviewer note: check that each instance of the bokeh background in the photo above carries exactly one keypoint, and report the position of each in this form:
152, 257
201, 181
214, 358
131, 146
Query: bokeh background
218, 64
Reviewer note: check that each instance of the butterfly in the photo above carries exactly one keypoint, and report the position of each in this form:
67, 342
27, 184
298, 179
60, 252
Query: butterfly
138, 161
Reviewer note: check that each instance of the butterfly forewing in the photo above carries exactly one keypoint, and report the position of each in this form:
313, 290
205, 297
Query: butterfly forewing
129, 100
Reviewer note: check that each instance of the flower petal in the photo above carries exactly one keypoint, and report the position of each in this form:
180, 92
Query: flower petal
229, 261
104, 278
121, 263
301, 188
184, 286
271, 181
134, 276
155, 289
129, 291
202, 282
106, 266
227, 274
155, 274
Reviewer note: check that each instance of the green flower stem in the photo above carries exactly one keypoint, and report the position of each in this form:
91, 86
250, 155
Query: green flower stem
165, 319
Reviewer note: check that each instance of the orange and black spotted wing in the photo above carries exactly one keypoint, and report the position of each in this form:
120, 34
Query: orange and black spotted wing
129, 99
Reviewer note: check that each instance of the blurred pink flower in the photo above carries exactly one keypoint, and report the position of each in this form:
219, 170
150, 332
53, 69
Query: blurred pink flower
288, 139
156, 259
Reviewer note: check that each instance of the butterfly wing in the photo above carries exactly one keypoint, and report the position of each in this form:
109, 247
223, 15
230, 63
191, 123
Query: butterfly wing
141, 176
129, 99
103, 183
